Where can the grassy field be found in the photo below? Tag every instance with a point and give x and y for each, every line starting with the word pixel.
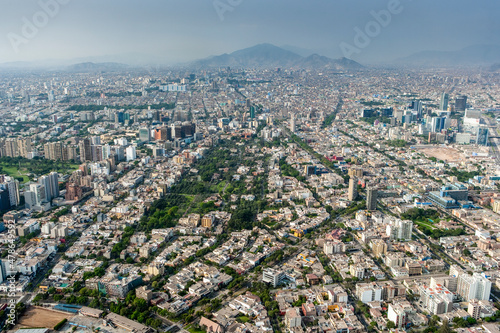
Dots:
pixel 22 171
pixel 15 172
pixel 426 223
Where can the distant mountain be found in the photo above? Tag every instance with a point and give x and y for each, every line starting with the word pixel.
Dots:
pixel 262 55
pixel 270 56
pixel 85 67
pixel 316 61
pixel 298 50
pixel 477 55
pixel 495 67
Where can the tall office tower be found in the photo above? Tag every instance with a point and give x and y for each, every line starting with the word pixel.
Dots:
pixel 119 153
pixel 3 271
pixel 24 146
pixel 35 196
pixel 417 106
pixel 106 152
pixel 353 188
pixel 177 132
pixel 252 112
pixel 12 186
pixel 482 136
pixel 437 124
pixel 131 154
pixel 45 181
pixel 474 287
pixel 188 128
pixel 51 185
pixel 292 123
pixel 144 134
pixel 461 103
pixel 54 184
pixel 163 134
pixel 371 198
pixel 85 150
pixel 443 105
pixel 119 117
pixel 157 116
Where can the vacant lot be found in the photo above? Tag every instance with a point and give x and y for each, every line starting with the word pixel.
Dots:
pixel 37 317
pixel 443 153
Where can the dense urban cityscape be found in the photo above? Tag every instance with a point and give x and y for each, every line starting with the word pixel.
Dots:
pixel 250 200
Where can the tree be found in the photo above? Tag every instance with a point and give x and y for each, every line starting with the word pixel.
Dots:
pixel 390 324
pixel 445 328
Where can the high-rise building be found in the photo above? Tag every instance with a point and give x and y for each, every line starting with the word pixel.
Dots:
pixel 131 154
pixel 163 134
pixel 474 309
pixel 400 229
pixel 95 140
pixel 443 105
pixel 273 276
pixel 356 172
pixel 292 124
pixel 353 188
pixel 482 136
pixel 397 314
pixel 371 198
pixel 437 300
pixel 144 134
pixel 54 184
pixel 24 146
pixel 73 192
pixel 51 185
pixel 473 287
pixel 106 152
pixel 252 112
pixel 35 196
pixel 85 150
pixel 96 153
pixel 12 187
pixel 177 131
pixel 119 117
pixel 437 124
pixel 10 147
pixel 379 247
pixel 53 151
pixel 461 103
pixel 3 271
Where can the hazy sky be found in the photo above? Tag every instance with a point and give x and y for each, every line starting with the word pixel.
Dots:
pixel 183 30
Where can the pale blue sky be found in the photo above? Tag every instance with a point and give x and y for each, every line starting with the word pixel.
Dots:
pixel 182 30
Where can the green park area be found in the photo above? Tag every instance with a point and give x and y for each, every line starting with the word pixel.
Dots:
pixel 24 169
pixel 426 220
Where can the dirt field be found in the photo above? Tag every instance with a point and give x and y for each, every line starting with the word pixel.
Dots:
pixel 445 154
pixel 36 317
